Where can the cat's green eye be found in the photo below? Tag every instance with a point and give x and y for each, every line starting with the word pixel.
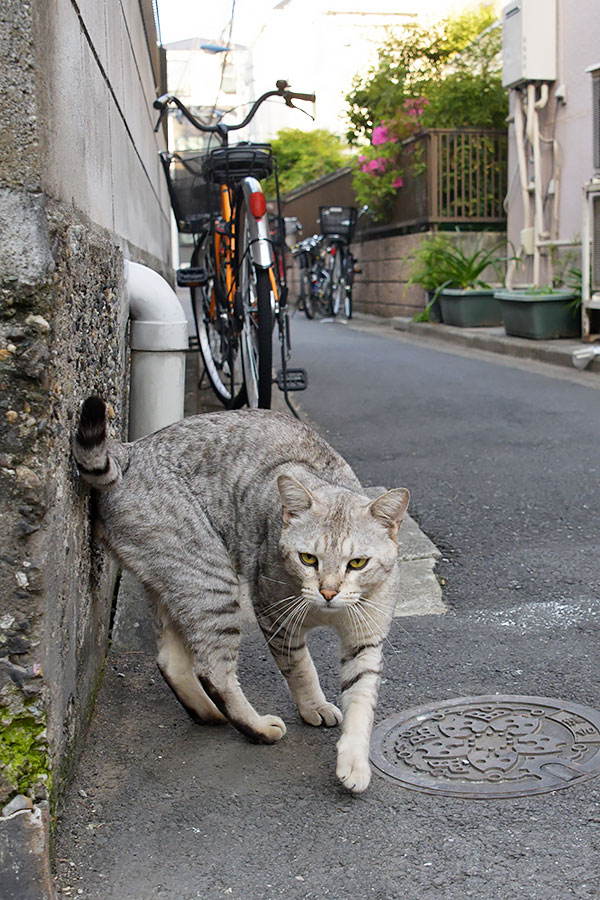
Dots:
pixel 359 563
pixel 308 559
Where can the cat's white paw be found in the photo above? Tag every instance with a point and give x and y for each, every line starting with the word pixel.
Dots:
pixel 353 770
pixel 271 729
pixel 327 714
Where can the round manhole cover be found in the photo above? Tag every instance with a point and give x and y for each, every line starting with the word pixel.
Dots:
pixel 489 747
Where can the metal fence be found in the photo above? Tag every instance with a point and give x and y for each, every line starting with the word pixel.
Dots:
pixel 453 176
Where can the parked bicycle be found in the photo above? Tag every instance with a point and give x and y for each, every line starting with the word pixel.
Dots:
pixel 326 264
pixel 337 226
pixel 307 256
pixel 236 276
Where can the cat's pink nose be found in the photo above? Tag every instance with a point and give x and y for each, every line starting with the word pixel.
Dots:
pixel 329 595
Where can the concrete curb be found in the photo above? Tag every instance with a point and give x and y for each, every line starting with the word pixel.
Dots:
pixel 493 340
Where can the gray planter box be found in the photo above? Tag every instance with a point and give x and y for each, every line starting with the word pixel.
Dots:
pixel 539 316
pixel 470 308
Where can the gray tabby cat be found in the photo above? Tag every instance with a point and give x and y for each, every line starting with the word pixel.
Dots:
pixel 254 500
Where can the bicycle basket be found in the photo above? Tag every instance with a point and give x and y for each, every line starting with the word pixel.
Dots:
pixel 193 198
pixel 338 220
pixel 228 165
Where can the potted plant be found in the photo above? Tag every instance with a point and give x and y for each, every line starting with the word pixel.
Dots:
pixel 453 276
pixel 543 313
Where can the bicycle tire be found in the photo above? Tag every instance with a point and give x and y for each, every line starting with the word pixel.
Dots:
pixel 349 279
pixel 254 286
pixel 307 294
pixel 218 345
pixel 338 282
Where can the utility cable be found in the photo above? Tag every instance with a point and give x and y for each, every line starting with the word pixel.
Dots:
pixel 226 54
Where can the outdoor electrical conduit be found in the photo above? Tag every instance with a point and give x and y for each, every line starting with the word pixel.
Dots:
pixel 158 340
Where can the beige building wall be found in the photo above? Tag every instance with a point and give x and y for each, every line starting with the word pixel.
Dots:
pixel 566 165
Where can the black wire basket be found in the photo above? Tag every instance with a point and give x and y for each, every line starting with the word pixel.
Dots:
pixel 228 165
pixel 195 200
pixel 338 221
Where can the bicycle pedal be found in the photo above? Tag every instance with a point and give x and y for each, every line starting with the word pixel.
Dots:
pixel 292 380
pixel 192 277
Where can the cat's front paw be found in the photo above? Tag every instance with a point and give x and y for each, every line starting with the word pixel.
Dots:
pixel 353 770
pixel 270 729
pixel 327 714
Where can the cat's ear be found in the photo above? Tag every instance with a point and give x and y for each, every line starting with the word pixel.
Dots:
pixel 295 498
pixel 389 509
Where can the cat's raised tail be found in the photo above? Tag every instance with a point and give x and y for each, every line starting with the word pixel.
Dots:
pixel 96 461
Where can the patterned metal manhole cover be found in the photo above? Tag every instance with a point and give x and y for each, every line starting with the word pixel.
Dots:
pixel 489 747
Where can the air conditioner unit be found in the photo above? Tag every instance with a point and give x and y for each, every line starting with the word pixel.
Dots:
pixel 528 42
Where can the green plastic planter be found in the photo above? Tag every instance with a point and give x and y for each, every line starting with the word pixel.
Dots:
pixel 539 316
pixel 469 308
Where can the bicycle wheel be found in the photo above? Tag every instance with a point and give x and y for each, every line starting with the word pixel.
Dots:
pixel 307 293
pixel 219 346
pixel 349 280
pixel 338 282
pixel 254 286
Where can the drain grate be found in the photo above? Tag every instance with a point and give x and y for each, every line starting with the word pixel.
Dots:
pixel 489 747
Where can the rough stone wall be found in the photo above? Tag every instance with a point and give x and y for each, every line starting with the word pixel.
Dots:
pixel 63 324
pixel 55 582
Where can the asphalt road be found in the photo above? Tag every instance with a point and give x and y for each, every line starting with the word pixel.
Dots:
pixel 501 460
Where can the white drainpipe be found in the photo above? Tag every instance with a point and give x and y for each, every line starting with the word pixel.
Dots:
pixel 159 339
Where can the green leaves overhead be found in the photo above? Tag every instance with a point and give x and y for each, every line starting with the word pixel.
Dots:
pixel 455 64
pixel 303 156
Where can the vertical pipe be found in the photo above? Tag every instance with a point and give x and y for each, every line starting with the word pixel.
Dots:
pixel 159 340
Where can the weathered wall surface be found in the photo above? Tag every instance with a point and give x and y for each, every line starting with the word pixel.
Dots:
pixel 80 190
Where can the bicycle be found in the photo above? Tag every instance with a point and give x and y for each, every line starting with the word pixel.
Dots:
pixel 337 227
pixel 306 254
pixel 236 277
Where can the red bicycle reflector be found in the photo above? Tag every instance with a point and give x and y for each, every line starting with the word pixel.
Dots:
pixel 258 204
pixel 333 250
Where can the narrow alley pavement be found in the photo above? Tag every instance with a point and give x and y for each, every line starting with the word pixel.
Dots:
pixel 501 458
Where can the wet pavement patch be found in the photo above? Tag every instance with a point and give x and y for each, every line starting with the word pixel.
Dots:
pixel 489 747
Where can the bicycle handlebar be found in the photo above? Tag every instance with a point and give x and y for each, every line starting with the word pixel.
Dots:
pixel 281 90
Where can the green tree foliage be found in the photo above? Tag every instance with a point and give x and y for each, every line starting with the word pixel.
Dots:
pixel 303 156
pixel 445 76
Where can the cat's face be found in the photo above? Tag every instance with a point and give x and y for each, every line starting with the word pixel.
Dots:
pixel 339 546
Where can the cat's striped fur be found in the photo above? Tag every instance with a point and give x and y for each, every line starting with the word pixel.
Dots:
pixel 252 499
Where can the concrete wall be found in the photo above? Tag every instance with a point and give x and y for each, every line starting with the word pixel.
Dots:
pixel 80 190
pixel 387 265
pixel 570 123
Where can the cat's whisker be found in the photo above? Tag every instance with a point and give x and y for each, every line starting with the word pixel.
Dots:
pixel 365 601
pixel 264 610
pixel 287 615
pixel 365 626
pixel 276 580
pixel 277 614
pixel 375 627
pixel 296 627
pixel 355 623
pixel 287 612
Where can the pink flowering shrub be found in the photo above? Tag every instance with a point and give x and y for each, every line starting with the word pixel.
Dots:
pixel 380 169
